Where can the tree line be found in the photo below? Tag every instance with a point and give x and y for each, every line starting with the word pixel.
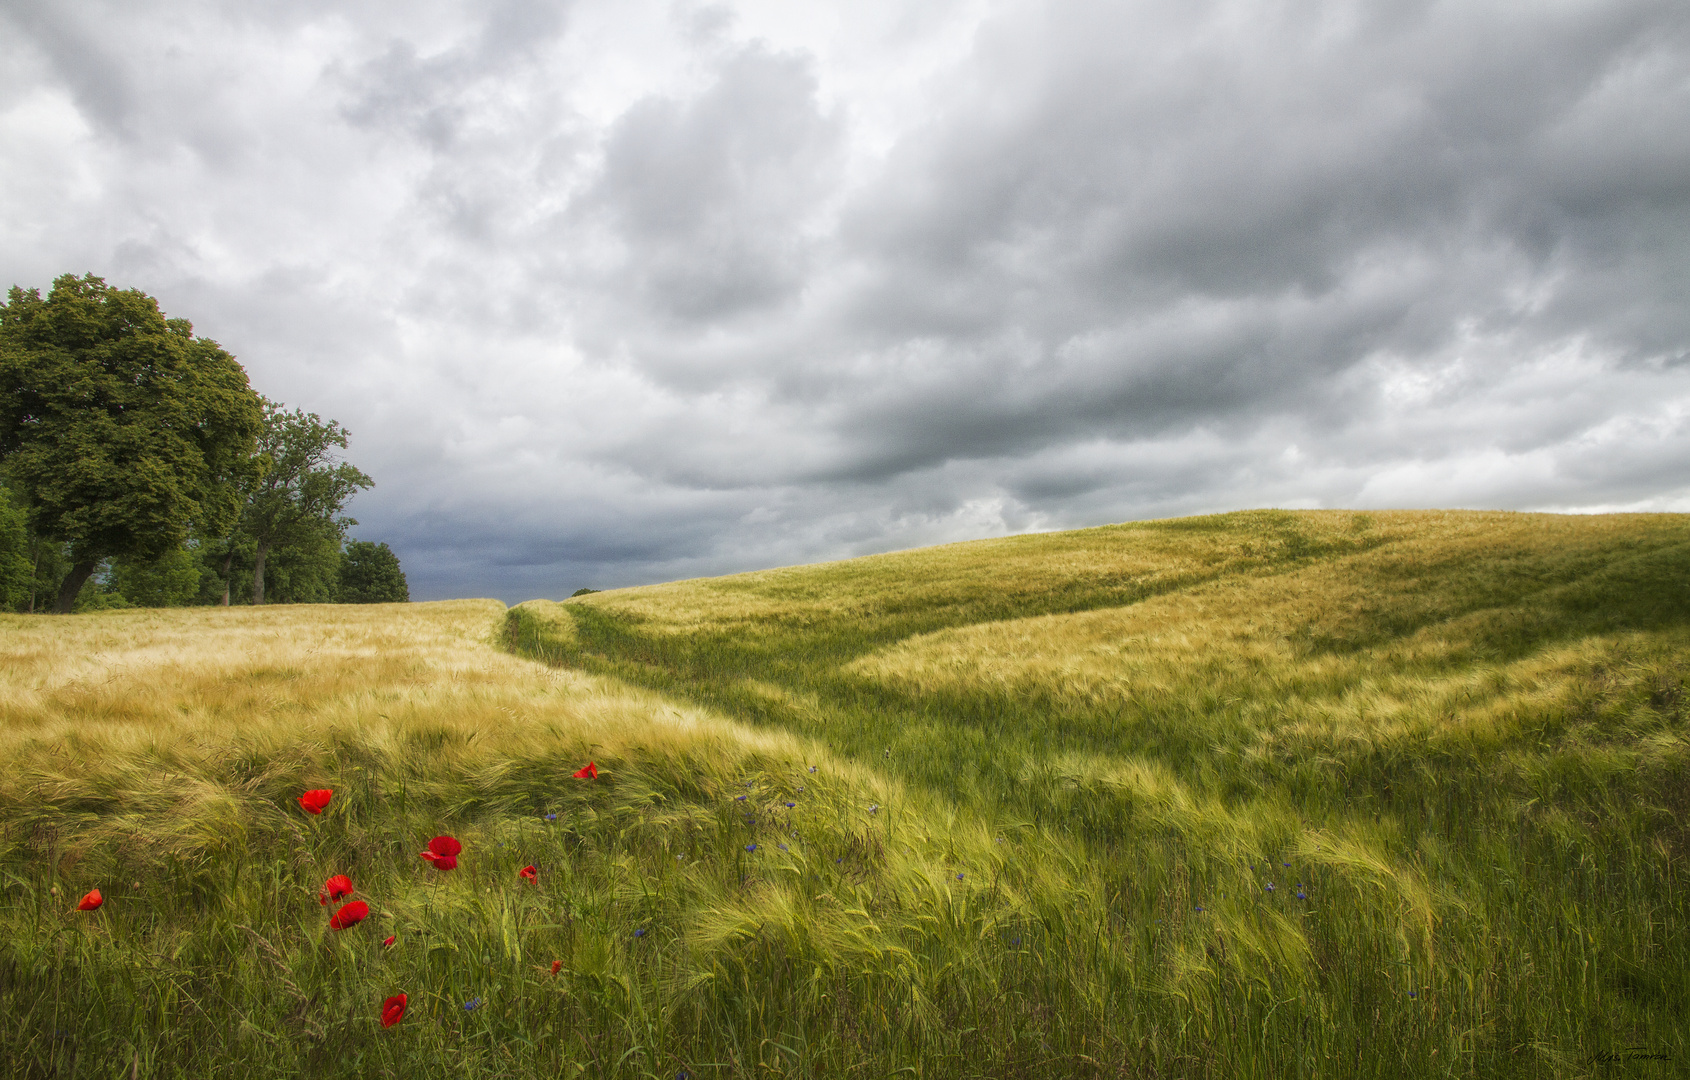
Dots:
pixel 138 467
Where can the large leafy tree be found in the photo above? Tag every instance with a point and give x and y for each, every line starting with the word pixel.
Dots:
pixel 123 431
pixel 303 490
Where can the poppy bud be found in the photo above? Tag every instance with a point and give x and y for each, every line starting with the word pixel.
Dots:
pixel 388 942
pixel 556 965
pixel 393 1010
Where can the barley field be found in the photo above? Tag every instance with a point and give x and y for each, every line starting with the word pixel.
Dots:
pixel 1266 794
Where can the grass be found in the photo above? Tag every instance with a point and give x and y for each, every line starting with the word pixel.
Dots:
pixel 1054 777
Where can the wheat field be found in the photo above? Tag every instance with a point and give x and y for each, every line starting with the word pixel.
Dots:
pixel 1266 794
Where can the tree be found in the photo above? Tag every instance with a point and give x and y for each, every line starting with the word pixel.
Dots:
pixel 122 430
pixel 370 574
pixel 15 569
pixel 303 489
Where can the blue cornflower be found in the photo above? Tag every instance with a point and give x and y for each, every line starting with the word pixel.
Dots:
pixel 1411 993
pixel 836 862
pixel 748 783
pixel 1016 943
pixel 472 1004
pixel 739 798
pixel 790 805
pixel 751 847
pixel 783 847
pixel 812 768
pixel 1199 907
pixel 1286 865
pixel 640 932
pixel 1302 896
pixel 1270 886
pixel 551 817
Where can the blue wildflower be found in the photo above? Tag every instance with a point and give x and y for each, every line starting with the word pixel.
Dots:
pixel 959 877
pixel 875 809
pixel 812 768
pixel 751 847
pixel 1016 943
pixel 1286 865
pixel 739 798
pixel 551 817
pixel 790 805
pixel 1411 993
pixel 472 1004
pixel 1302 896
pixel 836 862
pixel 640 932
pixel 783 847
pixel 1270 886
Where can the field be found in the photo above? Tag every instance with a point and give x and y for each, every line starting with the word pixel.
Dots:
pixel 1258 795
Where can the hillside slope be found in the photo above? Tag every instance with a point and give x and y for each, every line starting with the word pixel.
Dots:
pixel 1460 736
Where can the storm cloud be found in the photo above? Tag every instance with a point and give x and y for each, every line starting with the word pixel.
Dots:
pixel 615 293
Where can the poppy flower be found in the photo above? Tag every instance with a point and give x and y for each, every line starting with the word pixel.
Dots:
pixel 529 873
pixel 443 852
pixel 91 901
pixel 355 912
pixel 556 966
pixel 393 1010
pixel 387 943
pixel 589 771
pixel 336 887
pixel 314 802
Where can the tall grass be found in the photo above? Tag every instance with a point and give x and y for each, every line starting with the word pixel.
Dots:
pixel 1053 779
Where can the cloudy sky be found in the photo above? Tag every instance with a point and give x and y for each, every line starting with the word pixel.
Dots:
pixel 619 291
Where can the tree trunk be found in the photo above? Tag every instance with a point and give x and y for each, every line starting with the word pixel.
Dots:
pixel 258 572
pixel 78 577
pixel 228 562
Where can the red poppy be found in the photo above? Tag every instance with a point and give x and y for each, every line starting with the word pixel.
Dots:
pixel 589 771
pixel 443 852
pixel 91 901
pixel 556 964
pixel 355 912
pixel 529 873
pixel 388 942
pixel 315 801
pixel 336 887
pixel 393 1010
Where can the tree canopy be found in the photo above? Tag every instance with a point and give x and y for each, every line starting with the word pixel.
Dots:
pixel 370 574
pixel 299 498
pixel 123 431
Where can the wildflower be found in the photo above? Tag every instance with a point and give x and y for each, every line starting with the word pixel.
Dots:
pixel 387 942
pixel 557 965
pixel 443 852
pixel 1302 896
pixel 640 932
pixel 314 802
pixel 1286 865
pixel 529 873
pixel 812 768
pixel 1411 993
pixel 1199 907
pixel 790 805
pixel 751 847
pixel 472 1004
pixel 589 771
pixel 91 901
pixel 333 889
pixel 1016 943
pixel 783 847
pixel 393 1010
pixel 740 798
pixel 875 809
pixel 959 877
pixel 1270 886
pixel 800 789
pixel 551 817
pixel 839 860
pixel 355 912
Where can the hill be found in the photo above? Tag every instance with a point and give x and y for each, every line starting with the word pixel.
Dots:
pixel 1260 794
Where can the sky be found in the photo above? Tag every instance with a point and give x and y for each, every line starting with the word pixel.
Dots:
pixel 611 292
